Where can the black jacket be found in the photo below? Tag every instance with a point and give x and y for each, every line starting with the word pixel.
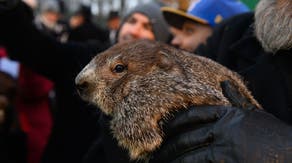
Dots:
pixel 268 76
pixel 89 32
pixel 75 127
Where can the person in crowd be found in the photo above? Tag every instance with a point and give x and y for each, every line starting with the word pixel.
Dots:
pixel 145 17
pixel 75 126
pixel 32 105
pixel 113 23
pixel 83 28
pixel 48 20
pixel 191 27
pixel 35 100
pixel 257 46
pixel 12 138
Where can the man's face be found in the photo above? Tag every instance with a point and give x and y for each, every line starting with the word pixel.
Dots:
pixel 137 26
pixel 51 17
pixel 114 23
pixel 190 36
pixel 76 21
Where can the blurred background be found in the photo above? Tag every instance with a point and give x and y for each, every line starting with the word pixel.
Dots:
pixel 101 8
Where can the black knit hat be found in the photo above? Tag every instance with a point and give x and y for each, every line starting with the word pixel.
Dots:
pixel 84 11
pixel 113 15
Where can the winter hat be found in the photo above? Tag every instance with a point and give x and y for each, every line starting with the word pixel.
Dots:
pixel 153 12
pixel 84 11
pixel 209 12
pixel 50 5
pixel 113 15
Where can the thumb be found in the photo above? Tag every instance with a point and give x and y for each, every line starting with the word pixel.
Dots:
pixel 236 98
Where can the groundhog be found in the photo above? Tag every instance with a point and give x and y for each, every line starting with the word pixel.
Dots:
pixel 140 83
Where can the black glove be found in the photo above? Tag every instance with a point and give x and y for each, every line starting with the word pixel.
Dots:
pixel 225 134
pixel 6 5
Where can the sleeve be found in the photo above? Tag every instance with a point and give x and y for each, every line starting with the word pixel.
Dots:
pixel 39 51
pixel 224 36
pixel 224 134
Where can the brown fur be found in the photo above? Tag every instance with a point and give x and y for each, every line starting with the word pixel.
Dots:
pixel 158 80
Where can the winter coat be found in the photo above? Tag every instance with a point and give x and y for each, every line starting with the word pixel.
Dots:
pixel 34 108
pixel 12 138
pixel 268 76
pixel 89 32
pixel 74 127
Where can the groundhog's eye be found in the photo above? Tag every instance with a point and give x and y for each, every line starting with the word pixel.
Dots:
pixel 119 68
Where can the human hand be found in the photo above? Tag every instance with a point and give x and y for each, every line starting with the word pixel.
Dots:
pixel 225 134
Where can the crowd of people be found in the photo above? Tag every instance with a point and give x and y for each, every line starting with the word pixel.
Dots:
pixel 50 123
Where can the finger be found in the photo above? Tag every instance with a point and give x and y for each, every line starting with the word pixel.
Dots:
pixel 199 156
pixel 235 97
pixel 230 92
pixel 193 116
pixel 184 143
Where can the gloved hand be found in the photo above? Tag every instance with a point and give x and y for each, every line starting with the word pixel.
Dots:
pixel 225 134
pixel 6 5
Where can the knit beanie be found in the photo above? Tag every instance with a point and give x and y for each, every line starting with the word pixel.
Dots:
pixel 85 12
pixel 153 12
pixel 50 5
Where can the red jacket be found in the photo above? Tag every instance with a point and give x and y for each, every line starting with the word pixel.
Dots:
pixel 33 106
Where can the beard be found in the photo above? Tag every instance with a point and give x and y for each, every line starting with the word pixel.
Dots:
pixel 273 24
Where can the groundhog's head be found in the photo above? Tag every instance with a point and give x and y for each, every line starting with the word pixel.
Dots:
pixel 139 83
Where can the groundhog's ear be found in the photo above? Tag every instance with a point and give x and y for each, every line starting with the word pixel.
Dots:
pixel 165 60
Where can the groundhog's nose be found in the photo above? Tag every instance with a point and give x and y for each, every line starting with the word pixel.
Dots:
pixel 81 84
pixel 84 79
pixel 82 87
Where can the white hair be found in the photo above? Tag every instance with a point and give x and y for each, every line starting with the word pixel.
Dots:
pixel 273 24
